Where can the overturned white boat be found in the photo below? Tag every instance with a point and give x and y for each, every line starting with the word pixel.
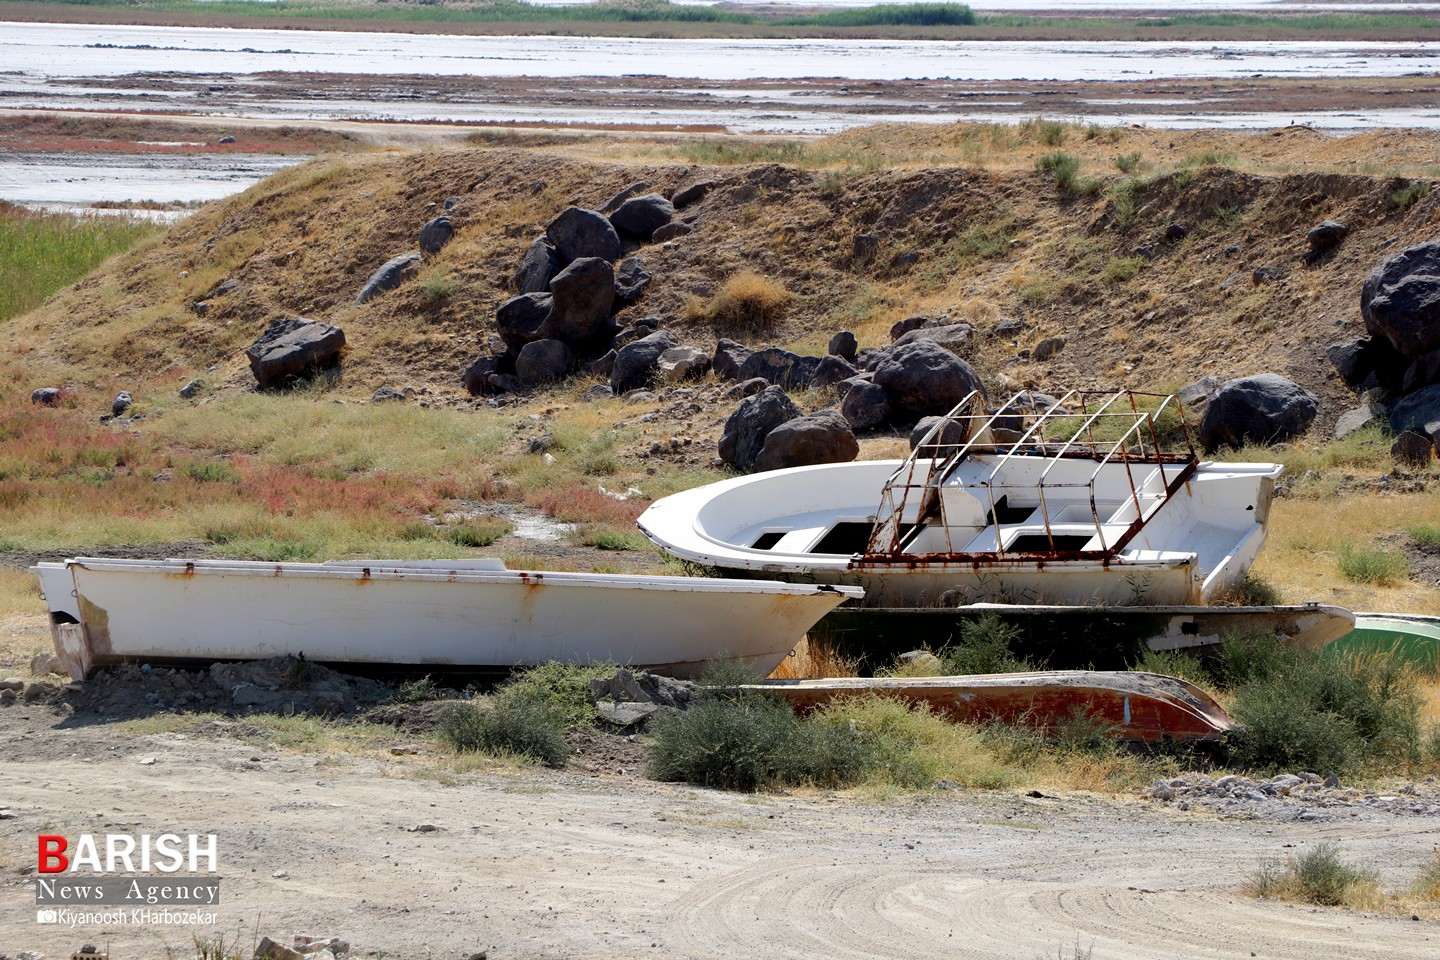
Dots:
pixel 446 614
pixel 1094 497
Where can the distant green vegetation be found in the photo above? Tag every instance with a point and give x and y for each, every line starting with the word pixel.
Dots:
pixel 516 11
pixel 40 253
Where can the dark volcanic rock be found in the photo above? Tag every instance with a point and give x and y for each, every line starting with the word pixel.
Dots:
pixel 1412 449
pixel 578 233
pixel 582 297
pixel 954 337
pixel 541 361
pixel 902 327
pixel 832 370
pixel 751 423
pixel 390 275
pixel 729 357
pixel 1356 360
pixel 537 268
pixel 642 216
pixel 435 234
pixel 1048 348
pixel 673 230
pixel 292 347
pixel 1422 373
pixel 924 378
pixel 823 437
pixel 1259 409
pixel 1420 411
pixel 519 319
pixel 951 435
pixel 635 189
pixel 1400 300
pixel 635 363
pixel 866 405
pixel 694 193
pixel 745 388
pixel 844 344
pixel 630 282
pixel 780 367
pixel 1326 235
pixel 45 396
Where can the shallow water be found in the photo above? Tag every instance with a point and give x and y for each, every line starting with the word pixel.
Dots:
pixel 58 180
pixel 52 51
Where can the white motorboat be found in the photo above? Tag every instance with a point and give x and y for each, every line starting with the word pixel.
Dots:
pixel 1089 498
pixel 446 614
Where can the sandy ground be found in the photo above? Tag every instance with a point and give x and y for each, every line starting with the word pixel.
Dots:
pixel 563 864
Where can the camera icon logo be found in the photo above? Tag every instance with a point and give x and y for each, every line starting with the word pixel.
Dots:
pixel 47 916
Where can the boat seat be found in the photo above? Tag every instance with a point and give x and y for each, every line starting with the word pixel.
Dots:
pixel 799 540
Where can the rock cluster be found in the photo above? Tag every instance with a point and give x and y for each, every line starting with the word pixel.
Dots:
pixel 569 288
pixel 1291 796
pixel 1396 369
pixel 305 947
pixel 627 700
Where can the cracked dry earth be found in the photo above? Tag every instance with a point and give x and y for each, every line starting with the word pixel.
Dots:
pixel 595 862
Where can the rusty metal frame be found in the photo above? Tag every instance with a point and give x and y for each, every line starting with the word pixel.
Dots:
pixel 920 478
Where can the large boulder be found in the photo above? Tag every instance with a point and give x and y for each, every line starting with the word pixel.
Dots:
pixel 519 319
pixel 866 405
pixel 924 378
pixel 390 275
pixel 292 347
pixel 633 190
pixel 1326 235
pixel 954 337
pixel 1371 360
pixel 1420 411
pixel 45 396
pixel 635 363
pixel 823 437
pixel 577 232
pixel 729 358
pixel 844 345
pixel 476 377
pixel 1358 419
pixel 694 193
pixel 541 361
pixel 832 369
pixel 780 367
pixel 1422 373
pixel 1400 300
pixel 952 434
pixel 435 234
pixel 1260 409
pixel 752 421
pixel 582 297
pixel 678 363
pixel 642 216
pixel 537 268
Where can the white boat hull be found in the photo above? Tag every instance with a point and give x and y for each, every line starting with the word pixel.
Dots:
pixel 445 615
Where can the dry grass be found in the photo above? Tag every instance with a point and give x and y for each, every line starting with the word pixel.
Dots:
pixel 746 303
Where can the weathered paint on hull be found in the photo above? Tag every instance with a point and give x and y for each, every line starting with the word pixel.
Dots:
pixel 1103 638
pixel 1141 707
pixel 411 614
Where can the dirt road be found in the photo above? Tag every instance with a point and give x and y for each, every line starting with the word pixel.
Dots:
pixel 566 864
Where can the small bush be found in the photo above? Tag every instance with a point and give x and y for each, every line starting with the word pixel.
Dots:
pixel 480 533
pixel 417 691
pixel 212 471
pixel 1129 162
pixel 602 538
pixel 1371 565
pixel 566 687
pixel 438 287
pixel 984 646
pixel 1122 269
pixel 1424 534
pixel 1085 732
pixel 1427 885
pixel 516 724
pixel 1251 591
pixel 1409 195
pixel 1049 132
pixel 746 302
pixel 1318 876
pixel 754 742
pixel 1061 167
pixel 1207 158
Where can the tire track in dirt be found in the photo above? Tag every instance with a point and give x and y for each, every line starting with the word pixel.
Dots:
pixel 819 908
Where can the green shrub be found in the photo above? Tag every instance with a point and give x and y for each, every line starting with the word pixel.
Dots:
pixel 439 286
pixel 1122 269
pixel 480 533
pixel 1305 709
pixel 417 691
pixel 1317 876
pixel 1424 534
pixel 1061 167
pixel 1409 195
pixel 1129 162
pixel 984 646
pixel 212 471
pixel 1372 565
pixel 1049 132
pixel 515 724
pixel 565 687
pixel 755 742
pixel 1085 732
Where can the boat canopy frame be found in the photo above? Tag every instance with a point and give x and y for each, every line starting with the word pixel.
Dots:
pixel 1114 428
